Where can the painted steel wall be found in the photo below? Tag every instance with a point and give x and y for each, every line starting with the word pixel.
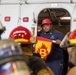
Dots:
pixel 16 17
pixel 31 11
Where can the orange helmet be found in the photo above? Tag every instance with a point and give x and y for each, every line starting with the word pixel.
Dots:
pixel 72 37
pixel 21 34
pixel 46 21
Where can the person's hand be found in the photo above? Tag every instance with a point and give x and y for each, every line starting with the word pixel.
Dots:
pixel 58 41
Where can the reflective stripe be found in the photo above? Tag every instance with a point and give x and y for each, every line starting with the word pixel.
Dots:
pixel 21 40
pixel 72 41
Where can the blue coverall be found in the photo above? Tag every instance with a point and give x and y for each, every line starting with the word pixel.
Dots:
pixel 55 59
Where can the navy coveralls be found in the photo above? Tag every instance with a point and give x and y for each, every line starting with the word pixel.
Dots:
pixel 55 59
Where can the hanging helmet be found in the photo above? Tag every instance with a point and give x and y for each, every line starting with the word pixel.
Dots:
pixel 72 37
pixel 46 21
pixel 21 35
pixel 12 60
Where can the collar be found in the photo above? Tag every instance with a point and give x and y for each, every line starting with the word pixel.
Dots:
pixel 51 32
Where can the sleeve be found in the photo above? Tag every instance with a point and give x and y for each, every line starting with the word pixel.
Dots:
pixel 60 35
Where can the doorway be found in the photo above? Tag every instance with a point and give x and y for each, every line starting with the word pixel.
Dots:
pixel 59 17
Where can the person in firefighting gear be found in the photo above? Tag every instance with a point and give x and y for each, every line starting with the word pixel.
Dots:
pixel 2 29
pixel 55 59
pixel 69 42
pixel 23 36
pixel 12 59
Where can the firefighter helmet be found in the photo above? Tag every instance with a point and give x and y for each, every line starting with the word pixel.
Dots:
pixel 72 37
pixel 21 35
pixel 11 59
pixel 46 21
pixel 69 42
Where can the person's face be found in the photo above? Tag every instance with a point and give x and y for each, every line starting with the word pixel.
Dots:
pixel 47 28
pixel 39 28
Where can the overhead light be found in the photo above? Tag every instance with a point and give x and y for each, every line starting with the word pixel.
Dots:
pixel 65 18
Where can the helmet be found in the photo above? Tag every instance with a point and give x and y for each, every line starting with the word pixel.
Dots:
pixel 72 47
pixel 21 34
pixel 72 37
pixel 12 60
pixel 69 42
pixel 46 21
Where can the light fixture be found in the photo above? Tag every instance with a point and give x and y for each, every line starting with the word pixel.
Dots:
pixel 65 18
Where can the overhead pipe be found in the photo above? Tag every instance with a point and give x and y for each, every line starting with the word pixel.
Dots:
pixel 34 2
